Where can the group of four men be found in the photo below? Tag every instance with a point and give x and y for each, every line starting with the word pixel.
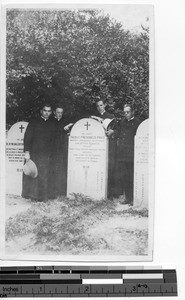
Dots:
pixel 45 143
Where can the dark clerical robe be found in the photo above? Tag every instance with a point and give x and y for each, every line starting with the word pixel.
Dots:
pixel 58 160
pixel 38 140
pixel 125 158
pixel 111 157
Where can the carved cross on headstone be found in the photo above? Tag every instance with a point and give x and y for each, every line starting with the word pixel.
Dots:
pixel 21 128
pixel 87 125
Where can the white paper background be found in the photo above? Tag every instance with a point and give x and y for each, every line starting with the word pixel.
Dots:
pixel 169 225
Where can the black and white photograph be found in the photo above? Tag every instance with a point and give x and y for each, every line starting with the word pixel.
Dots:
pixel 78 96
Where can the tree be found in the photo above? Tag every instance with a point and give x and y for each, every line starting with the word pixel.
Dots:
pixel 73 57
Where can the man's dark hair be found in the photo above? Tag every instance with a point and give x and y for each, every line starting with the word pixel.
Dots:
pixel 99 99
pixel 58 105
pixel 45 104
pixel 128 105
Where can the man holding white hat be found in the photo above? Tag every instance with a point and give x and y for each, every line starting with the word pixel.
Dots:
pixel 38 147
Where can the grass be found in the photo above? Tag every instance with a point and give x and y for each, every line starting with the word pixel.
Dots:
pixel 63 223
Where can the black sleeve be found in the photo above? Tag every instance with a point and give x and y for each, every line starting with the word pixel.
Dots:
pixel 110 116
pixel 137 123
pixel 117 128
pixel 28 136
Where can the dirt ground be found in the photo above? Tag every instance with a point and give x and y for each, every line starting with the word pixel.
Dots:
pixel 15 205
pixel 120 230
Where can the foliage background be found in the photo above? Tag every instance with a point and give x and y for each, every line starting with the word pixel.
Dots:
pixel 74 57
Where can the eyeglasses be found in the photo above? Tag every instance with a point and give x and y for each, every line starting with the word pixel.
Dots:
pixel 127 112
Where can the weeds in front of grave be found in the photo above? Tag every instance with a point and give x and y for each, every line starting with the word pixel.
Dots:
pixel 59 224
pixel 62 224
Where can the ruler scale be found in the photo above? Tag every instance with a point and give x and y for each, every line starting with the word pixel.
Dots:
pixel 82 281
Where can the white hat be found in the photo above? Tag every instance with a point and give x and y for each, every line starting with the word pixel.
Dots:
pixel 30 169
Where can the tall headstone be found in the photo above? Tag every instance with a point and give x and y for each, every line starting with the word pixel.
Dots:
pixel 15 158
pixel 88 160
pixel 141 165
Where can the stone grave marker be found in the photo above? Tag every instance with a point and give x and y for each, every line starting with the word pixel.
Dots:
pixel 88 160
pixel 15 158
pixel 141 165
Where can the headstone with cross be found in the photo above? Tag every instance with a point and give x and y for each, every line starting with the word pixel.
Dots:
pixel 141 165
pixel 15 158
pixel 88 160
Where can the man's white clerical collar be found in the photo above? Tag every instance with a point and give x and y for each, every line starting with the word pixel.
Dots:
pixel 131 119
pixel 44 118
pixel 102 113
pixel 57 118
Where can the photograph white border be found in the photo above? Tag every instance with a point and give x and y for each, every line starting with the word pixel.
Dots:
pixel 2 149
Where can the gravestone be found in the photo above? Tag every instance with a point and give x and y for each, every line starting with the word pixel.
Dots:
pixel 141 165
pixel 15 158
pixel 88 160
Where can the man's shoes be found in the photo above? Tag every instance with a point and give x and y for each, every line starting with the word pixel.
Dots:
pixel 124 202
pixel 130 203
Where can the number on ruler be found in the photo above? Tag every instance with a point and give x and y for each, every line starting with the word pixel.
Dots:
pixel 134 289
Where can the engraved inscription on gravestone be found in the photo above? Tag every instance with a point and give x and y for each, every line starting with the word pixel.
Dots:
pixel 88 159
pixel 15 158
pixel 141 165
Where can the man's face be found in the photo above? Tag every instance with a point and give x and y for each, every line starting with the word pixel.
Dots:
pixel 100 106
pixel 46 112
pixel 58 113
pixel 128 113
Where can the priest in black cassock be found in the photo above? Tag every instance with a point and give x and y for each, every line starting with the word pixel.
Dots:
pixel 103 114
pixel 125 154
pixel 58 159
pixel 38 146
